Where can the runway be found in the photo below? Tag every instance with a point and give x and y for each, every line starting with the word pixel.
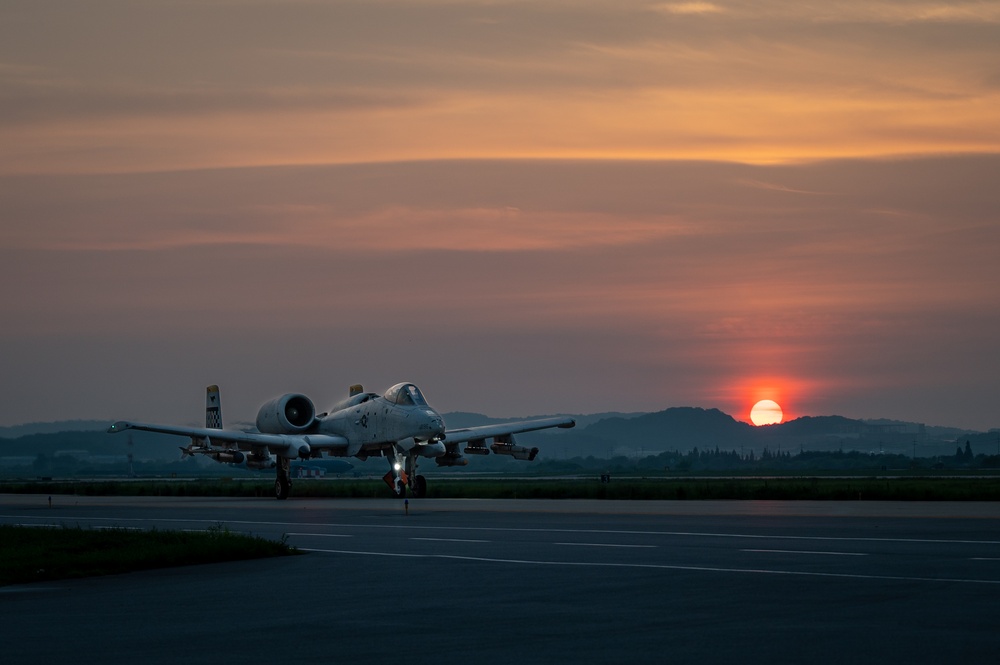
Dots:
pixel 531 581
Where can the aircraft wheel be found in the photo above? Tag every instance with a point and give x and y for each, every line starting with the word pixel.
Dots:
pixel 282 488
pixel 419 489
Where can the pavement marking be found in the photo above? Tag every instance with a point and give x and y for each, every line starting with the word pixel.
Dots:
pixel 809 552
pixel 453 540
pixel 321 535
pixel 604 545
pixel 338 525
pixel 656 566
pixel 984 558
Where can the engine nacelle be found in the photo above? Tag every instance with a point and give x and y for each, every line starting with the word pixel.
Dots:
pixel 288 414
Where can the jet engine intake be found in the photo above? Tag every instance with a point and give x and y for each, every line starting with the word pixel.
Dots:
pixel 288 414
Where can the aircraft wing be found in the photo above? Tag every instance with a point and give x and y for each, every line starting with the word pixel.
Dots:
pixel 464 434
pixel 285 445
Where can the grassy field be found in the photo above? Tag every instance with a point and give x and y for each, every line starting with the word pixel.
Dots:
pixel 32 554
pixel 791 488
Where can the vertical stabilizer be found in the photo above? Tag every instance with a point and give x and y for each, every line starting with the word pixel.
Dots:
pixel 213 408
pixel 357 389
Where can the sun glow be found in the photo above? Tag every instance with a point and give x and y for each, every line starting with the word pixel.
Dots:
pixel 766 412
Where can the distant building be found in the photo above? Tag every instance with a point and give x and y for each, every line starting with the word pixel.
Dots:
pixel 310 472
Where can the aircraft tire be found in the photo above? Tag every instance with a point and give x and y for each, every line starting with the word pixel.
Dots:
pixel 282 488
pixel 419 489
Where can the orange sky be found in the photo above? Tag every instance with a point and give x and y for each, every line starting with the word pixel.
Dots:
pixel 524 207
pixel 112 87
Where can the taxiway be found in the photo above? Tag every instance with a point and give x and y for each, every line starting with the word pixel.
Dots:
pixel 531 581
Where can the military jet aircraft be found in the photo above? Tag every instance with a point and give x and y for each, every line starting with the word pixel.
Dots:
pixel 398 425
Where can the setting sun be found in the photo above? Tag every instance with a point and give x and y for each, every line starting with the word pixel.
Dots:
pixel 766 412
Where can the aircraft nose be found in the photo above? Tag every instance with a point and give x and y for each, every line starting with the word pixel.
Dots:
pixel 437 424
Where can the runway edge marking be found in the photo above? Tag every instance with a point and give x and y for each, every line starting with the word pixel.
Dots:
pixel 655 566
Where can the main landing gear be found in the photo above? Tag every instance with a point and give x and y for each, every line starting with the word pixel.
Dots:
pixel 283 482
pixel 419 487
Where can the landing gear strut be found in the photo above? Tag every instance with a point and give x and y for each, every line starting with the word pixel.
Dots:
pixel 403 474
pixel 283 483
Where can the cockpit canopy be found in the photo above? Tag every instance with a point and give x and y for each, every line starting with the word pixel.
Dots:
pixel 405 394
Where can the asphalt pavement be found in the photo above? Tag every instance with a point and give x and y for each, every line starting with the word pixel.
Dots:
pixel 483 581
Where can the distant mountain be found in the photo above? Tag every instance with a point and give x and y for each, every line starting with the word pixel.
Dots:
pixel 458 419
pixel 935 431
pixel 145 445
pixel 684 428
pixel 815 426
pixel 54 427
pixel 679 428
pixel 603 435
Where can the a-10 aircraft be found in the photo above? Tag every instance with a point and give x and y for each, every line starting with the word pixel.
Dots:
pixel 398 425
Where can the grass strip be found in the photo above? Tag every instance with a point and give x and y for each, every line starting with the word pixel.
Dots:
pixel 34 554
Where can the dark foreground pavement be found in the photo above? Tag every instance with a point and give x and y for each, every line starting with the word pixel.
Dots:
pixel 530 582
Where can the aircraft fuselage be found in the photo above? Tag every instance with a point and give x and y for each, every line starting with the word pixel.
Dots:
pixel 378 421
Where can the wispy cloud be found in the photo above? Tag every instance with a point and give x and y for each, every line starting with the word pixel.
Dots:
pixel 850 11
pixel 775 187
pixel 388 230
pixel 690 8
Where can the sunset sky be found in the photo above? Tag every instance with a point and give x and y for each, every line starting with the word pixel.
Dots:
pixel 524 207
